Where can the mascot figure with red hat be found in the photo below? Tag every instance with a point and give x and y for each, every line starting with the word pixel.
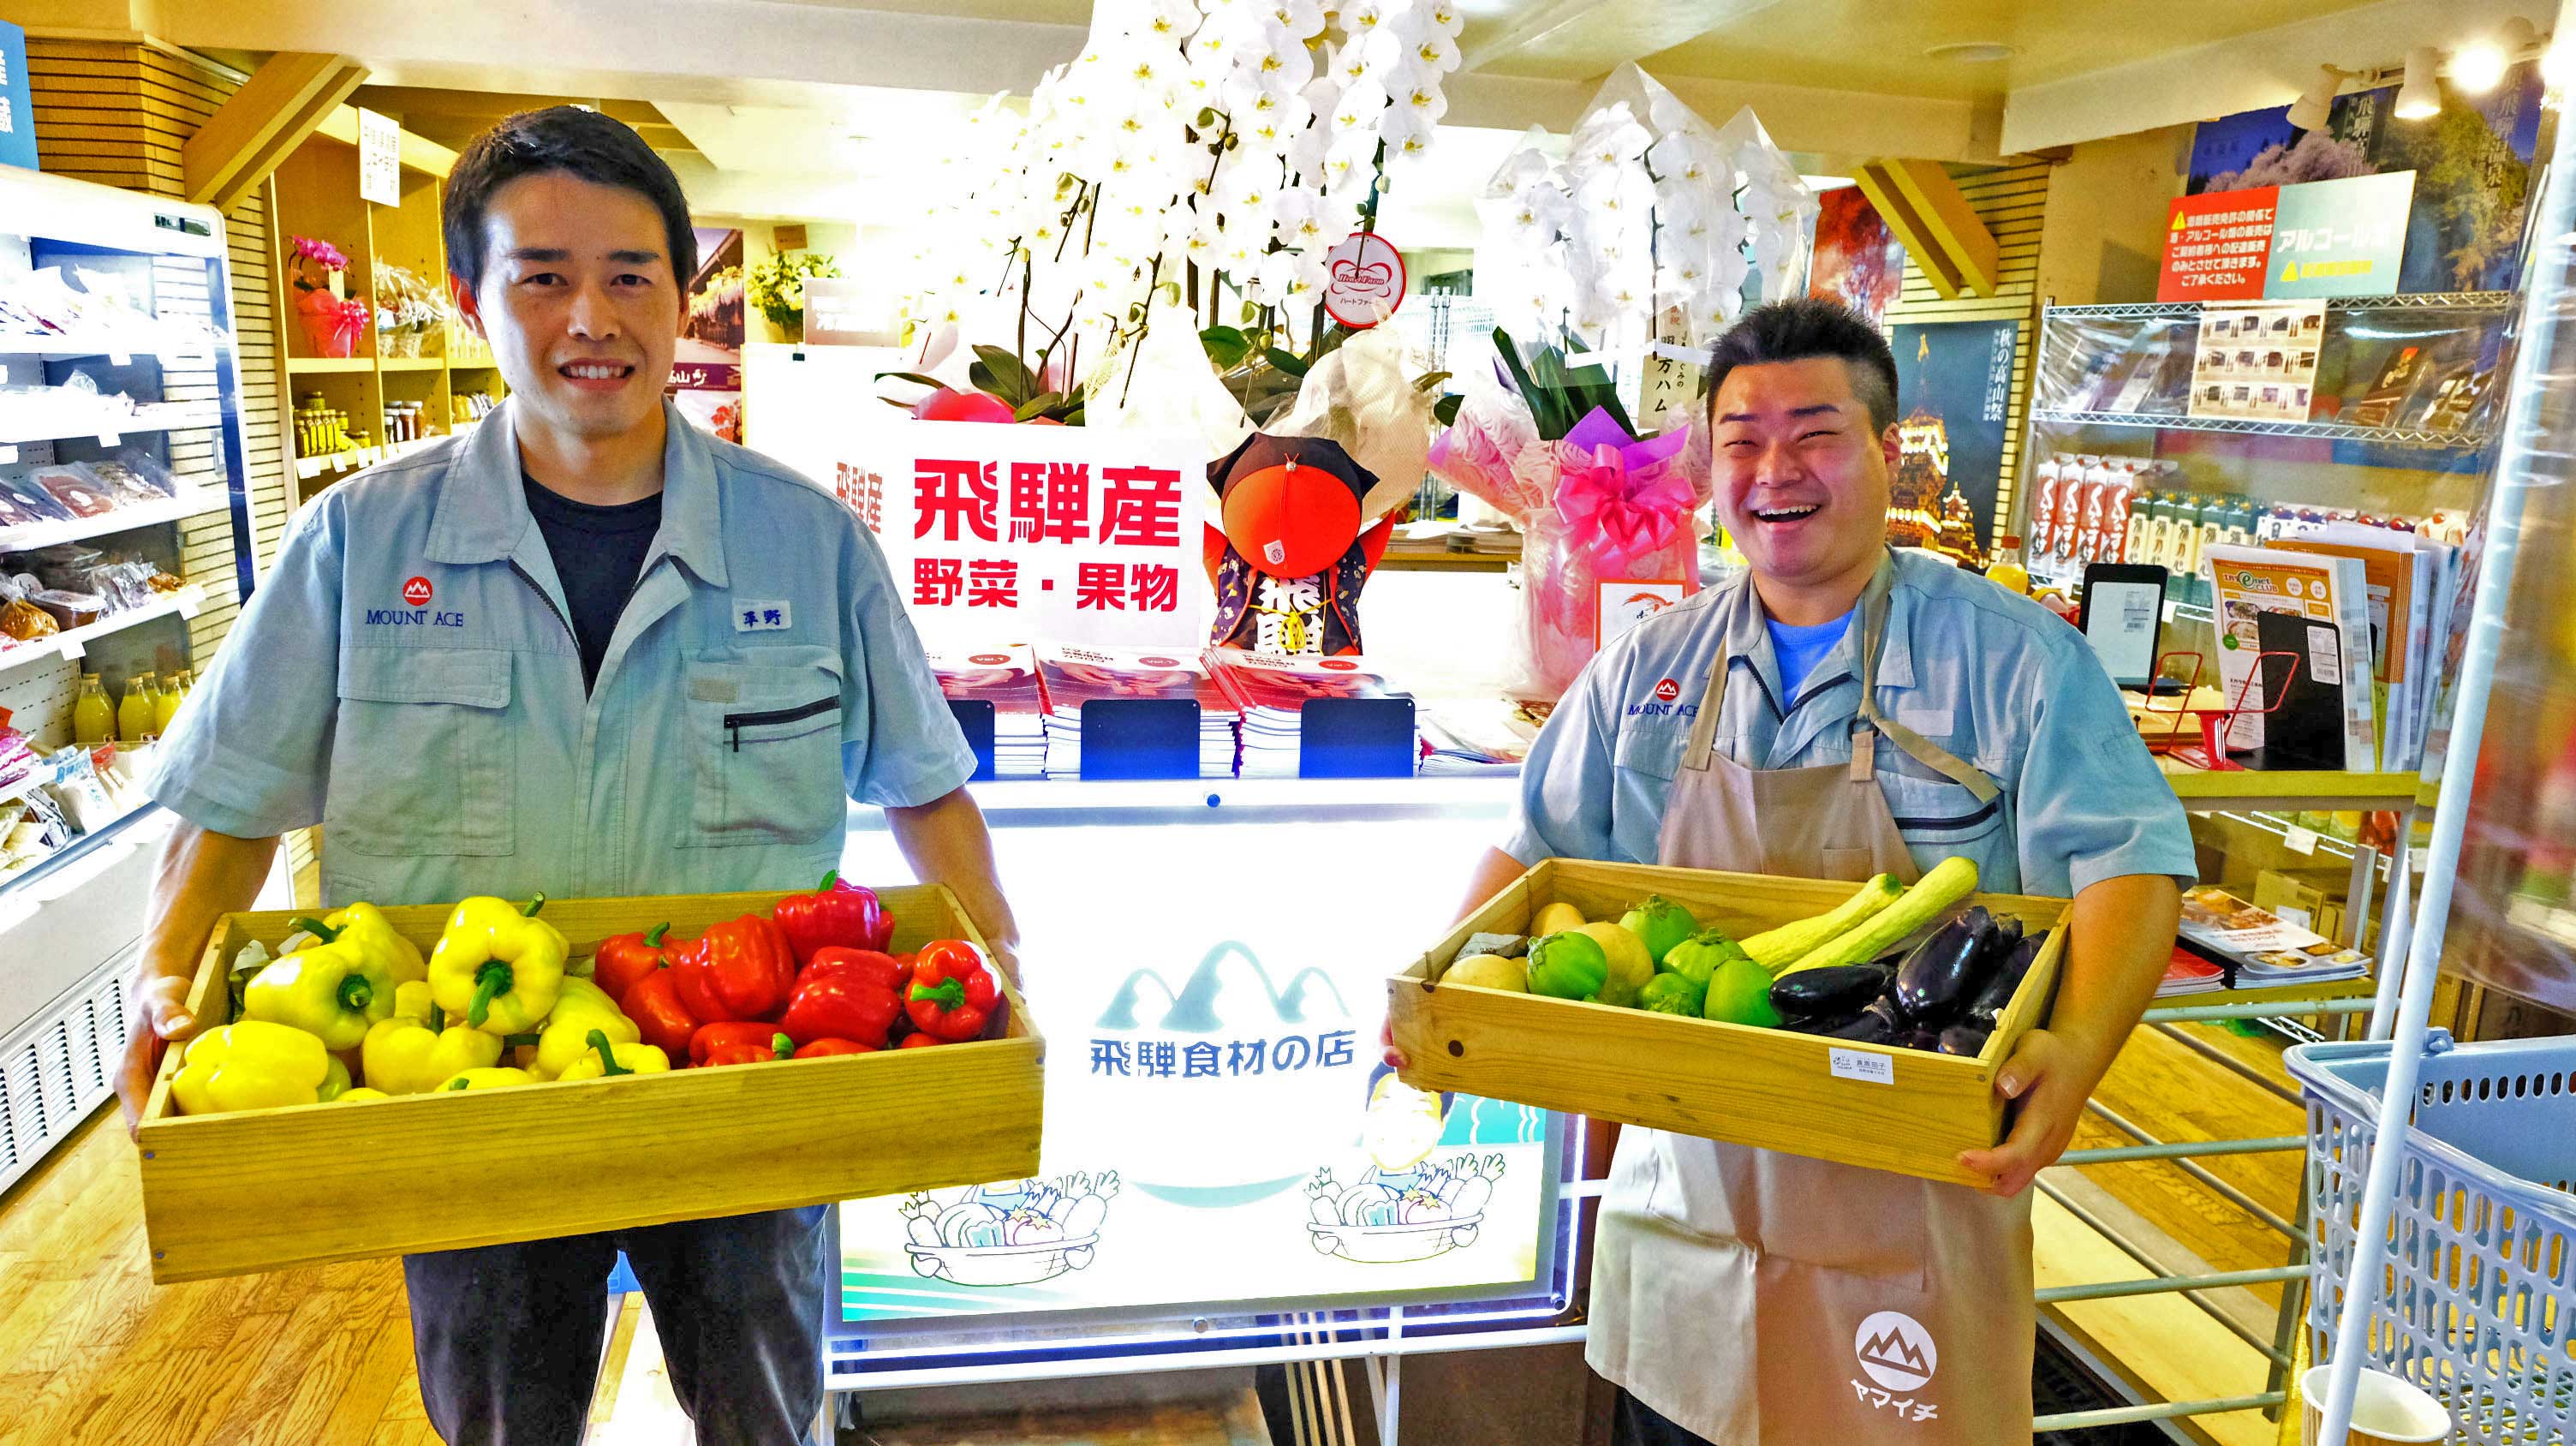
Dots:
pixel 1291 556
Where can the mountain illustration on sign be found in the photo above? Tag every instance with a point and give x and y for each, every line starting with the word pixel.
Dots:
pixel 1203 1157
pixel 1193 1008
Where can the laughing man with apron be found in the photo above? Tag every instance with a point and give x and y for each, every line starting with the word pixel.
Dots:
pixel 1838 711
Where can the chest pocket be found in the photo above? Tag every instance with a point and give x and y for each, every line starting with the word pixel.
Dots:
pixel 424 758
pixel 766 739
pixel 1930 809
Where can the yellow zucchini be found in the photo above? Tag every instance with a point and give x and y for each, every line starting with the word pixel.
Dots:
pixel 1950 881
pixel 1775 947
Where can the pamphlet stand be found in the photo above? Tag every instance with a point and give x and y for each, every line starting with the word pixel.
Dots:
pixel 1356 738
pixel 1140 738
pixel 975 720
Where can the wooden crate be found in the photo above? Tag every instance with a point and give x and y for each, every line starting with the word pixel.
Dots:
pixel 268 1189
pixel 1764 1087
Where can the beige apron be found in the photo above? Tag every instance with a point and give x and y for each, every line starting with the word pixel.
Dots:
pixel 1762 1299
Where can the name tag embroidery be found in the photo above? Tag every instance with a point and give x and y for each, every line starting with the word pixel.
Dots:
pixel 753 616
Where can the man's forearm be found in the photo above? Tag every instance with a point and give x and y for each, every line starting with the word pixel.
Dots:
pixel 2121 937
pixel 946 843
pixel 1494 873
pixel 201 877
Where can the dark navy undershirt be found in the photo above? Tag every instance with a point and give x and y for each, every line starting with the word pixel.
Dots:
pixel 599 552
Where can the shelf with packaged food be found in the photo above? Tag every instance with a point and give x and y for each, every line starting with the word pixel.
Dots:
pixel 191 502
pixel 2251 427
pixel 112 430
pixel 70 643
pixel 117 348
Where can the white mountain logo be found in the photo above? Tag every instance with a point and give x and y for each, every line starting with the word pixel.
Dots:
pixel 1896 1351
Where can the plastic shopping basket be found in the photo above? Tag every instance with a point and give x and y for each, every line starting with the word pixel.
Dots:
pixel 2478 1302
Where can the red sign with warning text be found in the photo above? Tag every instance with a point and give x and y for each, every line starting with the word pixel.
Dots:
pixel 2218 245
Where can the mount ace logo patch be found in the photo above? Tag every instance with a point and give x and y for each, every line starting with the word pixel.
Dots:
pixel 1667 690
pixel 415 592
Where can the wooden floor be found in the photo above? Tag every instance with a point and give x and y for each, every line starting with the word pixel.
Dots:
pixel 91 1352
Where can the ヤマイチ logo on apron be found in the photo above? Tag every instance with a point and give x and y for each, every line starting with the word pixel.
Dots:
pixel 1896 1350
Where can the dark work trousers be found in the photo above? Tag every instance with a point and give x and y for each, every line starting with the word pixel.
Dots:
pixel 1638 1425
pixel 507 1337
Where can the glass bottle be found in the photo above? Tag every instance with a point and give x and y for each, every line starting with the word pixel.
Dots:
pixel 165 703
pixel 134 713
pixel 93 717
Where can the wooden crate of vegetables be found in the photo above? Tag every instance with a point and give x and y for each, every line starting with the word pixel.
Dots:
pixel 429 1078
pixel 1862 1024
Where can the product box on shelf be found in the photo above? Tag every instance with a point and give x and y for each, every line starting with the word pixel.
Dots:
pixel 1880 1106
pixel 260 1190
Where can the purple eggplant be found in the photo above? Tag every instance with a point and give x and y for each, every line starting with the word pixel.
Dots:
pixel 1937 978
pixel 1830 992
pixel 2007 934
pixel 1964 1039
pixel 1991 1000
pixel 1925 1040
pixel 1874 1024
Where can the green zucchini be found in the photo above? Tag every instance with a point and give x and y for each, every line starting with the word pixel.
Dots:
pixel 1775 947
pixel 1950 881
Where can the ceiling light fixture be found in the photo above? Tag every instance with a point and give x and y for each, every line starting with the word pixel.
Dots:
pixel 2420 98
pixel 2478 67
pixel 1974 52
pixel 2315 105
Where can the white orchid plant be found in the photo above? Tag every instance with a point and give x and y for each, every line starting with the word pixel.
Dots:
pixel 1194 146
pixel 1646 228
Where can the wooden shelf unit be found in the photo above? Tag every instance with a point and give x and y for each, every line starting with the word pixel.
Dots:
pixel 316 195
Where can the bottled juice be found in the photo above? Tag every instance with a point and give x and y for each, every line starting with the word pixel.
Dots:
pixel 165 703
pixel 93 718
pixel 134 713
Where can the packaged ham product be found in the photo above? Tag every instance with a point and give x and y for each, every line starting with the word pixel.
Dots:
pixel 72 485
pixel 71 609
pixel 24 504
pixel 132 485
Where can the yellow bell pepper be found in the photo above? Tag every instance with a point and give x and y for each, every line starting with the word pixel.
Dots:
pixel 352 1096
pixel 489 1079
pixel 365 928
pixel 333 990
pixel 416 1050
pixel 582 1007
pixel 604 1057
pixel 335 1082
pixel 498 965
pixel 253 1065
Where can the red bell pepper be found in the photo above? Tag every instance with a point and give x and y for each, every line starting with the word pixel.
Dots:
pixel 743 1041
pixel 921 1041
pixel 624 959
pixel 836 913
pixel 821 1047
pixel 853 994
pixel 953 991
pixel 653 1002
pixel 737 970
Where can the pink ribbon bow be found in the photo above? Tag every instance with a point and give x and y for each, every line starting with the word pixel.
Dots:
pixel 1632 514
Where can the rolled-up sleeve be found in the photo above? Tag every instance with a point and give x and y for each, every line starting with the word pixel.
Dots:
pixel 250 755
pixel 906 747
pixel 2091 803
pixel 1564 810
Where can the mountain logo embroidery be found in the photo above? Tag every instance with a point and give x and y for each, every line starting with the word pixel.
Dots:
pixel 1896 1351
pixel 1666 690
pixel 416 591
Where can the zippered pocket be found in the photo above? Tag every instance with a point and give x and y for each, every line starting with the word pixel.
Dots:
pixel 766 744
pixel 734 723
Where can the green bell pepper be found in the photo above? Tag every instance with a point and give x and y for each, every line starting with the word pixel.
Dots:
pixel 1568 966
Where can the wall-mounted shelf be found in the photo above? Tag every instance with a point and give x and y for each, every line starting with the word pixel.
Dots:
pixel 192 503
pixel 2243 427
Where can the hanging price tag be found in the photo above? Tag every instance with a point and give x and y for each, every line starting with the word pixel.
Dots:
pixel 8 455
pixel 120 359
pixel 2300 840
pixel 110 439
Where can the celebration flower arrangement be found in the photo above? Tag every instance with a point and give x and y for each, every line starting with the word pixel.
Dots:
pixel 1198 157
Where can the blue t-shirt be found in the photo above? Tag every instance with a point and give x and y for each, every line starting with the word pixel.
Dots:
pixel 1800 649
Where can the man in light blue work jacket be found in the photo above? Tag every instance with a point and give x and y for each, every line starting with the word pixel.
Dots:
pixel 1838 710
pixel 588 651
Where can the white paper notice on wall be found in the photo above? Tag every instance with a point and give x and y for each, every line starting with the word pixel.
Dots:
pixel 1860 1064
pixel 379 159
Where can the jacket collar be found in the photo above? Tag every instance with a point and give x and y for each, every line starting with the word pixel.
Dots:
pixel 1744 633
pixel 483 515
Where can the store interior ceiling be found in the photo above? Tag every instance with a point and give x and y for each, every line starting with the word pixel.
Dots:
pixel 831 108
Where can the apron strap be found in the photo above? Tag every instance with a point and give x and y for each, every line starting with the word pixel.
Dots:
pixel 1703 734
pixel 1873 604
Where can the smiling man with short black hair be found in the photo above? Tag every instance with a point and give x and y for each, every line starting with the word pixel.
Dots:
pixel 585 651
pixel 1837 710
